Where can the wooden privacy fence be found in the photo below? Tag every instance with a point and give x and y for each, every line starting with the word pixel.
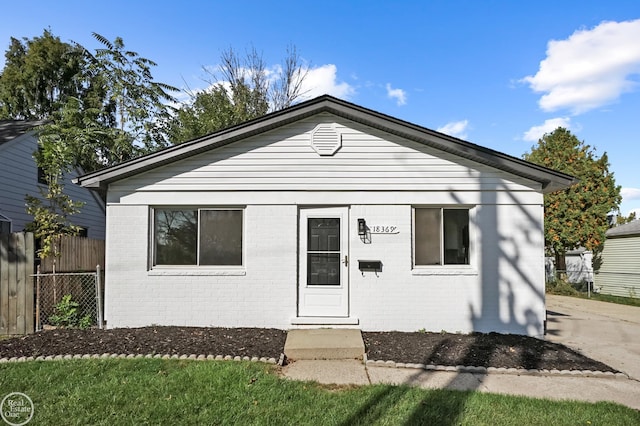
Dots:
pixel 16 283
pixel 77 254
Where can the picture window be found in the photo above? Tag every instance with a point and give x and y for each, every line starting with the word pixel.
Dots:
pixel 197 237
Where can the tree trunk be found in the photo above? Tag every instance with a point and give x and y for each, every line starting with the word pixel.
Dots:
pixel 561 266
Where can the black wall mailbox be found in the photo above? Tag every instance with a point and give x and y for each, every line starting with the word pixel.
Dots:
pixel 370 265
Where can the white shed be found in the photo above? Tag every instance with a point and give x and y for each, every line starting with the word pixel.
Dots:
pixel 619 272
pixel 327 214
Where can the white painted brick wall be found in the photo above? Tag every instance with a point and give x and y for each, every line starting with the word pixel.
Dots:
pixel 505 292
pixel 264 297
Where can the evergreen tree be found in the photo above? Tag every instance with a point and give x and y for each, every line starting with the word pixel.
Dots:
pixel 577 216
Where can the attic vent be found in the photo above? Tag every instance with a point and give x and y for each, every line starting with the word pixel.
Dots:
pixel 325 139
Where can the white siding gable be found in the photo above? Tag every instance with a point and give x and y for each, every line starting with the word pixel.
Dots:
pixel 285 160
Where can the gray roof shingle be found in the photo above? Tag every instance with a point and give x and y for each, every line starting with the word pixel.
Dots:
pixel 631 228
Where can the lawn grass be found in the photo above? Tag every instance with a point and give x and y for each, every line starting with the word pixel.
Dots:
pixel 155 391
pixel 631 301
pixel 563 288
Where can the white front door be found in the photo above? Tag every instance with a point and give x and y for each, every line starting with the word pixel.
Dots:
pixel 323 285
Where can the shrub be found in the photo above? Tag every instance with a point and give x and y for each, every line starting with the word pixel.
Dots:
pixel 561 287
pixel 67 315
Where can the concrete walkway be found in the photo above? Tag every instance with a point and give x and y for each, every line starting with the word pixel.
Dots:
pixel 352 372
pixel 606 332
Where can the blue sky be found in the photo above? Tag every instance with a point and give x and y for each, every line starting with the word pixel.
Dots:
pixel 496 73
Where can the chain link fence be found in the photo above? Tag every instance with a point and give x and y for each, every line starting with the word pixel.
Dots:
pixel 68 300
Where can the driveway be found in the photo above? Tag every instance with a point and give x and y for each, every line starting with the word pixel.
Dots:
pixel 607 332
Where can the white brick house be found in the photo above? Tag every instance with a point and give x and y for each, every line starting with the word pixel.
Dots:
pixel 327 214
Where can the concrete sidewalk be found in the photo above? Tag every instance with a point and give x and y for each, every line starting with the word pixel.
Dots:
pixel 352 372
pixel 607 332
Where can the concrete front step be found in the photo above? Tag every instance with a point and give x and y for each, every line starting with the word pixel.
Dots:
pixel 324 343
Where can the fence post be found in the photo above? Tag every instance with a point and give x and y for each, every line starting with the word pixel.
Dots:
pixel 4 283
pixel 99 296
pixel 38 299
pixel 29 257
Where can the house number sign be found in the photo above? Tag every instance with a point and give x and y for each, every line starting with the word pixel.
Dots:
pixel 383 229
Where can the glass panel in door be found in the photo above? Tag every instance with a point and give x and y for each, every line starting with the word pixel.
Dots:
pixel 323 251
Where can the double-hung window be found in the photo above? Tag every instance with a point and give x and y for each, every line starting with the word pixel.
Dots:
pixel 441 236
pixel 197 236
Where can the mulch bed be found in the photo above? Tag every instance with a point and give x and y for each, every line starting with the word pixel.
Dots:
pixel 482 350
pixel 261 342
pixel 477 349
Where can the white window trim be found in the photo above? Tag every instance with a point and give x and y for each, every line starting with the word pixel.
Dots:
pixel 444 270
pixel 195 270
pixel 180 270
pixel 452 269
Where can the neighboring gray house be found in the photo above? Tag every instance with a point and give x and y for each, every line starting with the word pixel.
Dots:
pixel 19 176
pixel 619 273
pixel 327 214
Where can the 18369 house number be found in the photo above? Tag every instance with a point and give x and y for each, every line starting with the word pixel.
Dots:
pixel 383 229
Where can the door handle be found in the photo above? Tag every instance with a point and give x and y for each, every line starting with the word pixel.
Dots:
pixel 346 260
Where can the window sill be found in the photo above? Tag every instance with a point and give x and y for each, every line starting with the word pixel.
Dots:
pixel 444 270
pixel 196 272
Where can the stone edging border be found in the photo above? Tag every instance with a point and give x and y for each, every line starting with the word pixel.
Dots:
pixel 367 362
pixel 498 370
pixel 192 357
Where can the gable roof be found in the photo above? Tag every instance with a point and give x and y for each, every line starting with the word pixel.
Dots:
pixel 11 129
pixel 628 229
pixel 551 180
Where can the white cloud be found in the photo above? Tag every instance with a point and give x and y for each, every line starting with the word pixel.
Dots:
pixel 323 80
pixel 398 94
pixel 630 193
pixel 630 197
pixel 590 69
pixel 536 132
pixel 457 129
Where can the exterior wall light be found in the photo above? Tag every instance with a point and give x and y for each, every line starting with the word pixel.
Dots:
pixel 362 227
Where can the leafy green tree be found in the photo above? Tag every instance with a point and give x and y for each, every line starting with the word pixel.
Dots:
pixel 135 100
pixel 38 76
pixel 106 98
pixel 109 117
pixel 51 211
pixel 576 216
pixel 207 112
pixel 117 118
pixel 621 220
pixel 241 89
